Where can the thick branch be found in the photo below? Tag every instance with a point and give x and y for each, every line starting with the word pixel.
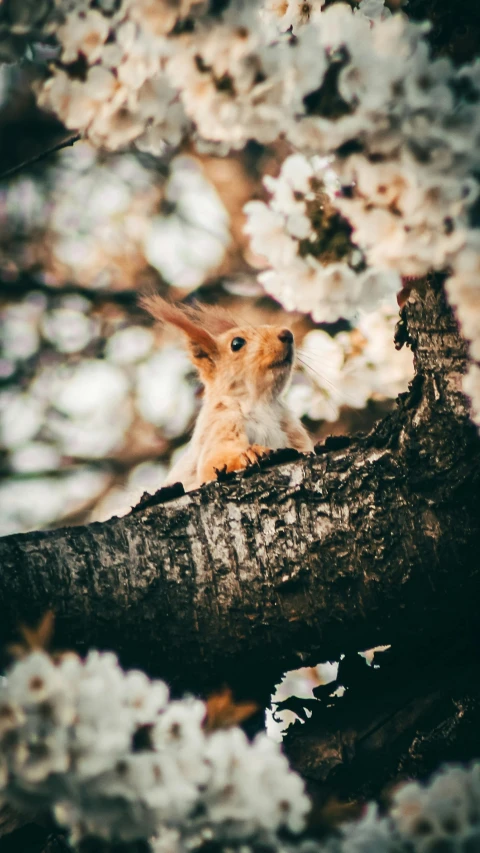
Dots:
pixel 373 541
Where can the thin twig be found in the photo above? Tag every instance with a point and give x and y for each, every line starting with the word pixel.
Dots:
pixel 18 168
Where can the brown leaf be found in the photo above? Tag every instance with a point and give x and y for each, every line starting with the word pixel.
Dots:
pixel 41 636
pixel 402 296
pixel 223 711
pixel 327 816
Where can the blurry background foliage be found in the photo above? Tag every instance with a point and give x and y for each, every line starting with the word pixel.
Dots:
pixel 95 401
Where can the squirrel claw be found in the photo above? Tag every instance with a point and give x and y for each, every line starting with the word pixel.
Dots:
pixel 254 453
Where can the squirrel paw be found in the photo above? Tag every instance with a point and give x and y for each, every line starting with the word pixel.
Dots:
pixel 226 463
pixel 254 453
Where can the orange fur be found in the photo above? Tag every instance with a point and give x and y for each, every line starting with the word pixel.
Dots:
pixel 243 415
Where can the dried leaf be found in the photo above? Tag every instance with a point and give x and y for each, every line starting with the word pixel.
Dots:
pixel 402 296
pixel 329 815
pixel 223 711
pixel 41 636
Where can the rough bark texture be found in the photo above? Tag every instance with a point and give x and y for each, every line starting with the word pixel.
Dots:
pixel 372 540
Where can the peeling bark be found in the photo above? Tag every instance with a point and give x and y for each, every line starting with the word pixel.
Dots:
pixel 370 540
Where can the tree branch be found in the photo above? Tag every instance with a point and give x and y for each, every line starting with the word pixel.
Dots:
pixel 369 541
pixel 65 143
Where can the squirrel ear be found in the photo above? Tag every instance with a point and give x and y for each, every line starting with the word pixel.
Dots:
pixel 201 344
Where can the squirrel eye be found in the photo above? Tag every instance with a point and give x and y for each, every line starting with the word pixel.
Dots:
pixel 238 343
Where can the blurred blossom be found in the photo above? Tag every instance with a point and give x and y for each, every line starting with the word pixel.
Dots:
pixel 20 326
pixel 93 213
pixel 92 408
pixel 21 417
pixel 351 368
pixel 147 477
pixel 69 330
pixel 84 390
pixel 82 486
pixel 177 453
pixel 91 209
pixel 443 812
pixel 20 335
pixel 92 437
pixel 22 204
pixel 242 286
pixel 129 345
pixel 7 368
pixel 68 745
pixel 163 396
pixel 103 224
pixel 35 457
pixel 190 238
pixel 36 502
pixel 29 504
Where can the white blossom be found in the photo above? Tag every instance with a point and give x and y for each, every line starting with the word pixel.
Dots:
pixel 463 289
pixel 67 742
pixel 129 345
pixel 350 368
pixel 163 396
pixel 445 811
pixel 35 502
pixel 84 32
pixel 189 239
pixel 286 231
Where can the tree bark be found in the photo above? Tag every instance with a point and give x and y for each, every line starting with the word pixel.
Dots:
pixel 396 720
pixel 370 540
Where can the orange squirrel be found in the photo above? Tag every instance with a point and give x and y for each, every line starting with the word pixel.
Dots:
pixel 244 370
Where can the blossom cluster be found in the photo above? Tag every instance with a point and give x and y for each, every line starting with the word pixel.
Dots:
pixel 403 128
pixel 151 72
pixel 355 92
pixel 100 222
pixel 443 814
pixel 350 368
pixel 113 757
pixel 121 93
pixel 75 410
pixel 403 137
pixel 315 267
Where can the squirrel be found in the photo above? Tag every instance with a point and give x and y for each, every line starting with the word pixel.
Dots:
pixel 245 371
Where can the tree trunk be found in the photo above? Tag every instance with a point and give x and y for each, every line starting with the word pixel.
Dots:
pixel 370 540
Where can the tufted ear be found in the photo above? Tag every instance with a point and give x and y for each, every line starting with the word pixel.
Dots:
pixel 192 322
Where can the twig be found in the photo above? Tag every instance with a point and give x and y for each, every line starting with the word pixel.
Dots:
pixel 64 144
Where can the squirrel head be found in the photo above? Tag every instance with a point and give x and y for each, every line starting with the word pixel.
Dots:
pixel 242 361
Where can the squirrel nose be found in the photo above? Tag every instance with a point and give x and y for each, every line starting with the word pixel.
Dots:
pixel 286 336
